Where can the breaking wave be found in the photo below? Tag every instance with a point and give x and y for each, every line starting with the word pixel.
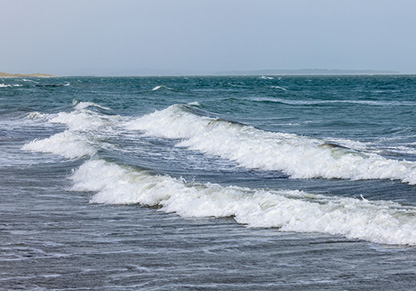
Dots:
pixel 296 156
pixel 376 221
pixel 82 138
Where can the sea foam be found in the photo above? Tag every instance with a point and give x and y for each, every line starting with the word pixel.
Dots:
pixel 68 144
pixel 376 221
pixel 84 128
pixel 296 156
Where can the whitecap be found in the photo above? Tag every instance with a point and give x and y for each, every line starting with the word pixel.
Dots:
pixel 68 144
pixel 296 156
pixel 161 87
pixel 83 105
pixel 375 221
pixel 85 127
pixel 278 87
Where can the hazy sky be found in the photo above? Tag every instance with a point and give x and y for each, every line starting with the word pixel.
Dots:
pixel 102 37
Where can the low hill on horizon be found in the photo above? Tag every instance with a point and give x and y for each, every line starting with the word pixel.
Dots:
pixel 39 75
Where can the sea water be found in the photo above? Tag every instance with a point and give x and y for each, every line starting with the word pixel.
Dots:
pixel 208 183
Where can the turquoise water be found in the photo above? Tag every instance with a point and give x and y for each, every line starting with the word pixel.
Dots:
pixel 208 182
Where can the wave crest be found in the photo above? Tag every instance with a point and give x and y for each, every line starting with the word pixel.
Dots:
pixel 296 156
pixel 375 221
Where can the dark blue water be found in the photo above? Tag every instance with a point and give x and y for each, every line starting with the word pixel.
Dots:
pixel 208 183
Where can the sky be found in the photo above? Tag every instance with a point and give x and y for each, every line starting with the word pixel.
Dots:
pixel 135 37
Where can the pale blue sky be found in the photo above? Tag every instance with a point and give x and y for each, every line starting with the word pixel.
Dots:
pixel 104 37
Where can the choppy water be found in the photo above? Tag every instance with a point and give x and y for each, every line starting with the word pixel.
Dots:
pixel 208 183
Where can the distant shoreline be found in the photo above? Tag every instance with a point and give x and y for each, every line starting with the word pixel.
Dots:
pixel 38 75
pixel 303 72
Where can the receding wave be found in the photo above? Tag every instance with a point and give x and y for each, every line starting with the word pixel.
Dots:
pixel 296 156
pixel 376 221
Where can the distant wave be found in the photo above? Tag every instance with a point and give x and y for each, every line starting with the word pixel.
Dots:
pixel 278 87
pixel 161 87
pixel 296 156
pixel 82 105
pixel 9 86
pixel 323 102
pixel 52 85
pixel 375 221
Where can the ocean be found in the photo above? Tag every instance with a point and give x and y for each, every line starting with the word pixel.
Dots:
pixel 208 183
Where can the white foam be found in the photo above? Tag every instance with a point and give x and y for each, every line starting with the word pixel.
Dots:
pixel 323 102
pixel 82 119
pixel 402 150
pixel 376 221
pixel 85 127
pixel 36 115
pixel 27 80
pixel 195 103
pixel 161 87
pixel 297 156
pixel 84 105
pixel 8 86
pixel 68 144
pixel 278 87
pixel 79 120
